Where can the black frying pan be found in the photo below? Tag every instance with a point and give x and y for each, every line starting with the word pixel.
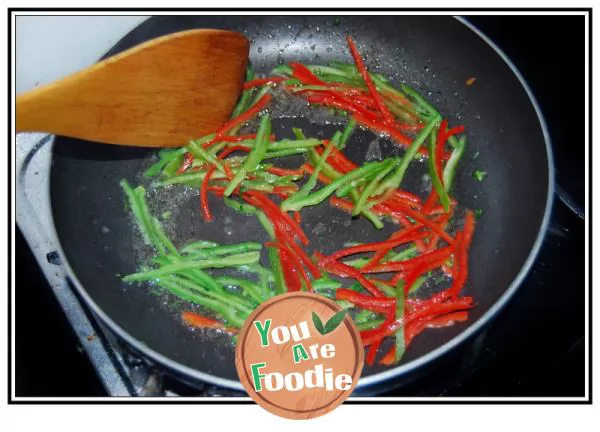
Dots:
pixel 434 54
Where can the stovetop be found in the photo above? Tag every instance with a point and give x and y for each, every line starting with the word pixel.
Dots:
pixel 535 347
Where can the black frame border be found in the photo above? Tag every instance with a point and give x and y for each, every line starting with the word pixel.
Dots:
pixel 133 400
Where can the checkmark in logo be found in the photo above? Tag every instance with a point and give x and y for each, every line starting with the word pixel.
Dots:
pixel 331 324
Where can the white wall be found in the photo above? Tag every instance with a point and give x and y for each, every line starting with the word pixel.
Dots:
pixel 49 47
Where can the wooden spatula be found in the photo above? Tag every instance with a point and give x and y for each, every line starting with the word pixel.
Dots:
pixel 161 93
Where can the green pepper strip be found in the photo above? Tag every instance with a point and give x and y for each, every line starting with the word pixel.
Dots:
pixel 348 129
pixel 400 344
pixel 325 283
pixel 435 178
pixel 230 261
pixel 251 289
pixel 240 207
pixel 287 144
pixel 334 175
pixel 139 208
pixel 273 254
pixel 284 70
pixel 312 180
pixel 171 167
pixel 386 289
pixel 223 250
pixel 371 324
pixel 165 157
pixel 201 244
pixel 255 157
pixel 369 189
pixel 450 168
pixel 320 195
pixel 161 236
pixel 244 101
pixel 189 178
pixel 421 101
pixel 394 181
pixel 288 152
pixel 220 308
pixel 196 148
pixel 226 297
pixel 199 280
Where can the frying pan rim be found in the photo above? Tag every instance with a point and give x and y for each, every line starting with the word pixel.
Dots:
pixel 398 370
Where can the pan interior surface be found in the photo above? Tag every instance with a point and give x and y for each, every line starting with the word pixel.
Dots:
pixel 436 55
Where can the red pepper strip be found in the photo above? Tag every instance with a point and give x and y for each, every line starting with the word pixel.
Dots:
pixel 397 278
pixel 461 257
pixel 347 206
pixel 228 171
pixel 429 209
pixel 285 189
pixel 416 327
pixel 297 217
pixel 298 266
pixel 285 172
pixel 343 270
pixel 294 259
pixel 300 254
pixel 443 222
pixel 334 100
pixel 370 358
pixel 360 65
pixel 395 134
pixel 421 219
pixel 390 357
pixel 194 320
pixel 420 269
pixel 378 256
pixel 322 177
pixel 338 158
pixel 342 204
pixel 188 159
pixel 439 150
pixel 226 152
pixel 469 228
pixel 276 213
pixel 410 264
pixel 361 99
pixel 392 198
pixel 244 117
pixel 370 336
pixel 281 222
pixel 384 282
pixel 305 75
pixel 290 273
pixel 376 304
pixel 407 237
pixel 406 196
pixel 259 82
pixel 292 280
pixel 204 194
pixel 454 131
pixel 399 98
pixel 217 190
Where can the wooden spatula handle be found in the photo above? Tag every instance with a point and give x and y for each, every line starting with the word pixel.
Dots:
pixel 159 94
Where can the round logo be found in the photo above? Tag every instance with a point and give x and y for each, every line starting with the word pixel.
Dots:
pixel 299 355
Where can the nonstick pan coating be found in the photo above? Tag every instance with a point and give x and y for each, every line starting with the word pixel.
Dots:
pixel 434 54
